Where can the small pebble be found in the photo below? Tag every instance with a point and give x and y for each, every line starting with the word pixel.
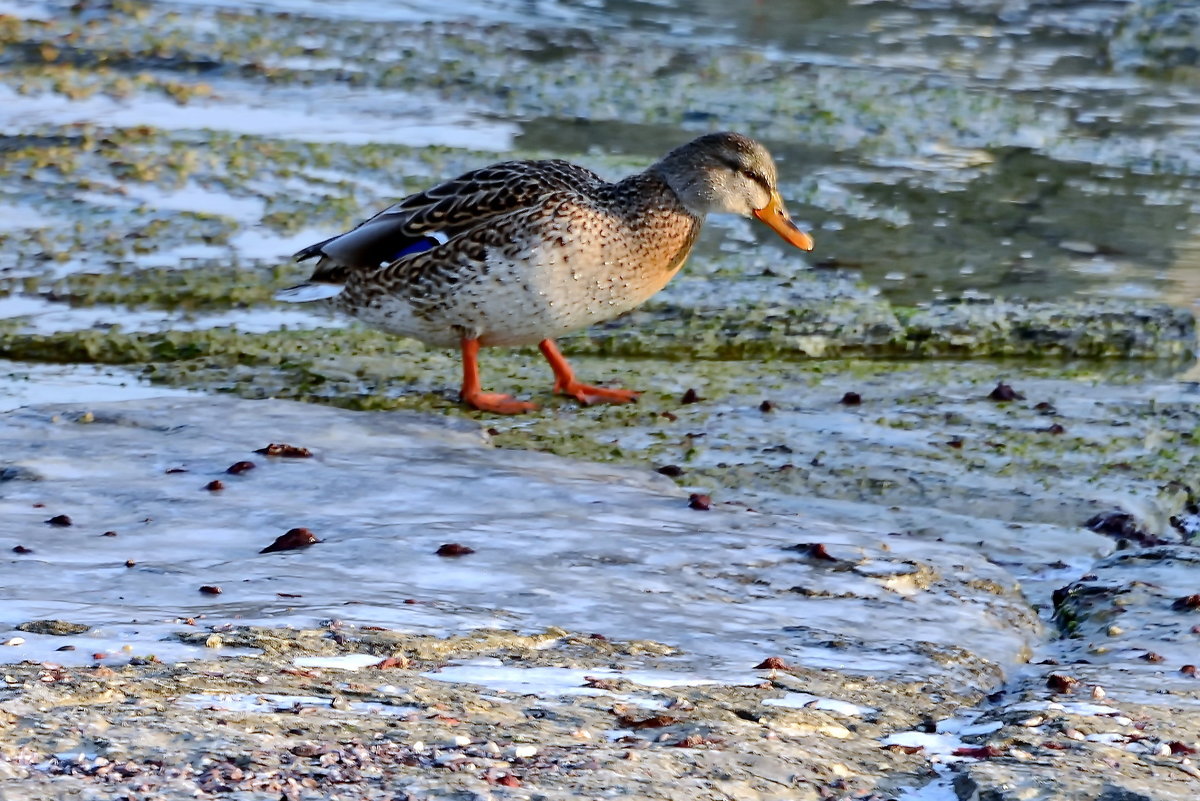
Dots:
pixel 237 468
pixel 772 663
pixel 293 539
pixel 21 549
pixel 851 399
pixel 691 396
pixel 1187 603
pixel 522 751
pixel 818 550
pixel 1080 246
pixel 210 589
pixel 61 521
pixel 1004 393
pixel 14 641
pixel 454 549
pixel 285 450
pixel 699 502
pixel 214 486
pixel 1062 683
pixel 670 470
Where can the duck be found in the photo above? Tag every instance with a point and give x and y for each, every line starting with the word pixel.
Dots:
pixel 522 252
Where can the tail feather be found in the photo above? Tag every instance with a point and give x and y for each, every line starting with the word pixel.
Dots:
pixel 327 281
pixel 308 292
pixel 312 251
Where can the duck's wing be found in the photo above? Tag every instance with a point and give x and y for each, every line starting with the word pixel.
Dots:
pixel 437 215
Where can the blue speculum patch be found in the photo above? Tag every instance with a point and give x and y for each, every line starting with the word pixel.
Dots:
pixel 419 246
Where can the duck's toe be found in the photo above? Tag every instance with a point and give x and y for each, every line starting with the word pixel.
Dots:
pixel 498 403
pixel 588 395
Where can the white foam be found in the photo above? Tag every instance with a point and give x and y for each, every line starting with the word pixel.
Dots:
pixel 341 662
pixel 267 702
pixel 809 701
pixel 553 681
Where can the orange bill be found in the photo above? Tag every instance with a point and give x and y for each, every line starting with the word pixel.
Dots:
pixel 776 216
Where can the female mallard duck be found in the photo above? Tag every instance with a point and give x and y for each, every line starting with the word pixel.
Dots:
pixel 525 251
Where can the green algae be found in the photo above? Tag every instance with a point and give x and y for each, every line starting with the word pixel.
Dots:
pixel 771 332
pixel 977 201
pixel 362 369
pixel 212 287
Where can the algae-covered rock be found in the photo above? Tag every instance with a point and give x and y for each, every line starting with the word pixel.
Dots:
pixel 57 628
pixel 1070 329
pixel 1157 36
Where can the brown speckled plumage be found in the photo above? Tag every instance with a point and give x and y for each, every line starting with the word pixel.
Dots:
pixel 579 256
pixel 524 251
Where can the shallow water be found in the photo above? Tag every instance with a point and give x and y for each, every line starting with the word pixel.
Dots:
pixel 935 149
pixel 610 551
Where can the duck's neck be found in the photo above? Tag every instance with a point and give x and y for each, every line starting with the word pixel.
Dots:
pixel 649 193
pixel 660 230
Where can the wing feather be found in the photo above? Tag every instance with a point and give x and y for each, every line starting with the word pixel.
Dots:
pixel 446 210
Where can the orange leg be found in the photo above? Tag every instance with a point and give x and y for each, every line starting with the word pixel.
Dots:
pixel 472 395
pixel 565 383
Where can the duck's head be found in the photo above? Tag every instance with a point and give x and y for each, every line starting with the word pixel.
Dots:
pixel 730 173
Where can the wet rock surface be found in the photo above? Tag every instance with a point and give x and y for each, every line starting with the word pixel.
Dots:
pixel 811 317
pixel 1158 37
pixel 608 549
pixel 937 149
pixel 624 640
pixel 268 727
pixel 918 533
